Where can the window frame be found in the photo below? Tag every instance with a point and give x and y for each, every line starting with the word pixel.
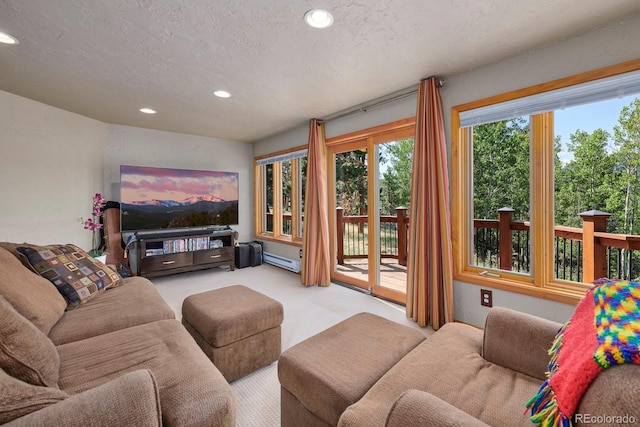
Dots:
pixel 541 283
pixel 260 219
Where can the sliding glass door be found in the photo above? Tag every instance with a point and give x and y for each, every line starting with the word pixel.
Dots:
pixel 371 181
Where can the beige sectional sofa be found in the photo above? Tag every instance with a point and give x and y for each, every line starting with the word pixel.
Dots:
pixel 120 358
pixel 459 376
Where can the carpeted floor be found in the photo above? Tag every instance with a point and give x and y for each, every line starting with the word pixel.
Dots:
pixel 307 311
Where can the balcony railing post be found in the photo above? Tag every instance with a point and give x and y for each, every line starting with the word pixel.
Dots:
pixel 340 234
pixel 401 230
pixel 505 244
pixel 594 260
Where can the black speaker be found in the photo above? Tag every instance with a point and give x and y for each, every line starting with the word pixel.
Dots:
pixel 242 255
pixel 255 253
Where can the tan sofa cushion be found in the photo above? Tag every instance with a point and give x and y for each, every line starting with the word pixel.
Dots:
pixel 527 337
pixel 419 408
pixel 192 390
pixel 18 398
pixel 25 352
pixel 449 366
pixel 135 303
pixel 30 294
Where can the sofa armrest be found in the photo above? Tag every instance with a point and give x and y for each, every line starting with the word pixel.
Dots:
pixel 131 399
pixel 613 392
pixel 419 408
pixel 518 341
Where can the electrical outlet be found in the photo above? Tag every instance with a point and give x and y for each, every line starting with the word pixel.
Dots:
pixel 486 298
pixel 300 253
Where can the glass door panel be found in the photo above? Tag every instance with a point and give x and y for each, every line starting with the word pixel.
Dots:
pixel 371 179
pixel 393 181
pixel 351 220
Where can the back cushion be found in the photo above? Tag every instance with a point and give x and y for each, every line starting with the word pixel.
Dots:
pixel 19 398
pixel 30 294
pixel 25 352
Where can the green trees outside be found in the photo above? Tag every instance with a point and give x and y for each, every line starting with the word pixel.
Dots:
pixel 585 182
pixel 603 175
pixel 395 185
pixel 501 168
pixel 351 182
pixel 395 160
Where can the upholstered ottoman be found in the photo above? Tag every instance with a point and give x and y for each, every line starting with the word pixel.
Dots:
pixel 237 328
pixel 323 375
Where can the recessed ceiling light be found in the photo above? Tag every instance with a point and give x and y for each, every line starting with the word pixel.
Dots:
pixel 318 18
pixel 222 93
pixel 148 111
pixel 7 39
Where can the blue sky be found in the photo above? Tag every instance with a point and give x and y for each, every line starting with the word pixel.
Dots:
pixel 603 115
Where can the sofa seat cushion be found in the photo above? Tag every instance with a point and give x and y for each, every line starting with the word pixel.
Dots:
pixel 30 294
pixel 192 391
pixel 25 352
pixel 135 303
pixel 449 366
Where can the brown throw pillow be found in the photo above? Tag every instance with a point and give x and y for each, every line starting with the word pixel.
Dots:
pixel 29 293
pixel 18 398
pixel 77 276
pixel 25 352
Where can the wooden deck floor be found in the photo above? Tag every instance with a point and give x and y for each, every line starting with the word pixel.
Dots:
pixel 392 274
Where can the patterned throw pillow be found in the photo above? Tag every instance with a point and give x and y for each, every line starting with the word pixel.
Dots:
pixel 76 275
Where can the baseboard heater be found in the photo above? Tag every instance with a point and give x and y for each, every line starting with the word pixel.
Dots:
pixel 278 261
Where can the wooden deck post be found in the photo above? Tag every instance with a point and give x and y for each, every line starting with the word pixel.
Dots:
pixel 340 234
pixel 505 244
pixel 401 230
pixel 594 255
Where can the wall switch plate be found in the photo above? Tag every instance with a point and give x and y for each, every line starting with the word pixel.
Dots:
pixel 486 298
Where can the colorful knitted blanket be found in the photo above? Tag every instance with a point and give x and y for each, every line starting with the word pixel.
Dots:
pixel 603 331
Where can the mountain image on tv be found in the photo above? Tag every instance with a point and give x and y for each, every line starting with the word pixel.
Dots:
pixel 160 198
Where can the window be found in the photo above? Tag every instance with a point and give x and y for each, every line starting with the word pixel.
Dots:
pixel 525 166
pixel 279 198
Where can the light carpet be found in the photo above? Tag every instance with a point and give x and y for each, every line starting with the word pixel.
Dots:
pixel 307 311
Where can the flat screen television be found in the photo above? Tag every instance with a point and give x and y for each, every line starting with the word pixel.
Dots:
pixel 162 198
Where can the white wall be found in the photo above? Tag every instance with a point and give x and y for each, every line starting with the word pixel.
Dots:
pixel 609 45
pixel 126 145
pixel 51 164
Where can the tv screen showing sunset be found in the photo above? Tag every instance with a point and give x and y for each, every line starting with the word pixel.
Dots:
pixel 158 198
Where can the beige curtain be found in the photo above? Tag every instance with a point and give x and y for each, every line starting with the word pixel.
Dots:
pixel 316 259
pixel 430 260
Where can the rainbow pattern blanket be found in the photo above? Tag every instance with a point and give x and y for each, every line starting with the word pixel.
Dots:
pixel 603 331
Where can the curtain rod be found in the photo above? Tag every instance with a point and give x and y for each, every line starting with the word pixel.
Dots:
pixel 362 108
pixel 386 99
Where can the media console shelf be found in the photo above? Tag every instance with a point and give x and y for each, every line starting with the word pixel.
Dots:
pixel 170 253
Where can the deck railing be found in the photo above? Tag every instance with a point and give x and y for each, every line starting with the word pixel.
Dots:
pixel 352 236
pixel 581 254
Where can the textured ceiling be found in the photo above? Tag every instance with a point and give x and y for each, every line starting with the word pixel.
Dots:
pixel 106 59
